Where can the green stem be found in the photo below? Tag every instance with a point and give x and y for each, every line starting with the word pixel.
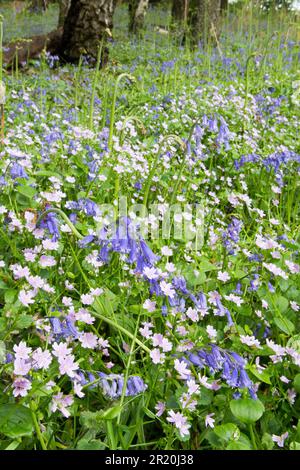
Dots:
pixel 66 219
pixel 253 440
pixel 154 165
pixel 37 429
pixel 110 432
pixel 113 106
pixel 103 317
pixel 95 83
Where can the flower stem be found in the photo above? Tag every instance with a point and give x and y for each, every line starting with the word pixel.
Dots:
pixel 37 428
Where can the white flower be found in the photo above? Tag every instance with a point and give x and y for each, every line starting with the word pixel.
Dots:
pixel 21 350
pixel 223 276
pixel 27 297
pixel 167 289
pixel 250 341
pixel 157 357
pixel 180 422
pixel 294 306
pixel 88 340
pixel 47 261
pixel 192 314
pixel 235 299
pixel 41 359
pixel 182 368
pixel 166 251
pixel 149 305
pixel 209 420
pixel 280 439
pixel 211 331
pixel 87 299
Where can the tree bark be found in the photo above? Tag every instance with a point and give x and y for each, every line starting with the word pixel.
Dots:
pixel 87 24
pixel 179 11
pixel 204 20
pixel 137 11
pixel 37 6
pixel 64 6
pixel 224 6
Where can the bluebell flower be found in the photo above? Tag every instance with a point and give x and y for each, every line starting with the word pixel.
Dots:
pixel 86 241
pixel 17 171
pixel 229 364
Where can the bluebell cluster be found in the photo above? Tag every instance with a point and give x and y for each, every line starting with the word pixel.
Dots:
pixel 273 161
pixel 85 205
pixel 230 364
pixel 232 235
pixel 63 328
pixel 50 223
pixel 112 384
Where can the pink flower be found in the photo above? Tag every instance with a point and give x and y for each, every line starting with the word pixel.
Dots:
pixel 88 340
pixel 160 408
pixel 182 369
pixel 21 366
pixel 180 422
pixel 21 387
pixel 68 366
pixel 42 359
pixel 27 297
pixel 47 261
pixel 61 351
pixel 280 439
pixel 157 357
pixel 21 350
pixel 167 289
pixel 223 276
pixel 61 402
pixel 209 420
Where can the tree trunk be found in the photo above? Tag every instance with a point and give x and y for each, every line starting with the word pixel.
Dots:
pixel 87 24
pixel 137 11
pixel 179 11
pixel 224 6
pixel 64 6
pixel 204 20
pixel 37 6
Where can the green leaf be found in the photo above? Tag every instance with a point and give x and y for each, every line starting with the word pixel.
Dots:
pixel 149 413
pixel 267 441
pixel 247 410
pixel 2 352
pixel 10 296
pixel 226 431
pixel 295 446
pixel 206 266
pixel 296 383
pixel 24 321
pixel 27 191
pixel 15 420
pixel 112 412
pixel 263 376
pixel 284 325
pixel 242 443
pixel 3 285
pixel 85 444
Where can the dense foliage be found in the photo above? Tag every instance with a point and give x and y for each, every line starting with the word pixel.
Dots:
pixel 112 337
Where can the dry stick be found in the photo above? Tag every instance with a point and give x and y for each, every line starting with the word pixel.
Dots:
pixel 217 41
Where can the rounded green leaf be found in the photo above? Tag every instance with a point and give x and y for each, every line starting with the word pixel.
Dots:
pixel 247 410
pixel 227 431
pixel 296 383
pixel 15 420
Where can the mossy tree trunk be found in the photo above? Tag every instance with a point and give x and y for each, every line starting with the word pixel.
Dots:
pixel 137 11
pixel 86 26
pixel 64 6
pixel 204 20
